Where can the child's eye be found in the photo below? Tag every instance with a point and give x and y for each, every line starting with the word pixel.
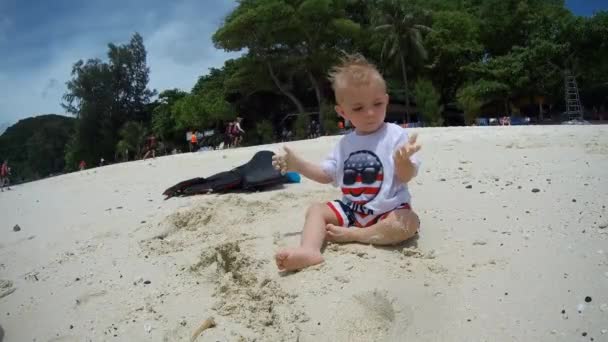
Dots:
pixel 357 109
pixel 378 104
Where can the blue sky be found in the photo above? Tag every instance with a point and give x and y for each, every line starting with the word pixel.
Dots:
pixel 40 40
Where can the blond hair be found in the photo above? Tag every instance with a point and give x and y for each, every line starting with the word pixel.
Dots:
pixel 353 70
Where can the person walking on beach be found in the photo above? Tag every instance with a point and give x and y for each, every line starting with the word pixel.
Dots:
pixel 237 132
pixel 228 137
pixel 5 172
pixel 372 165
pixel 150 147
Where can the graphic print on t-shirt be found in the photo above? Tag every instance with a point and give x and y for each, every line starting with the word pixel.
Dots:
pixel 363 176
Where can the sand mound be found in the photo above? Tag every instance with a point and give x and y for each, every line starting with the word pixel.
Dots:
pixel 211 220
pixel 246 296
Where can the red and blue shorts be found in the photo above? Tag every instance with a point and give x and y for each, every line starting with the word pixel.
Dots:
pixel 348 217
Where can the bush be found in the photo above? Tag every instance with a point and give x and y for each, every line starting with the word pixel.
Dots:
pixel 427 101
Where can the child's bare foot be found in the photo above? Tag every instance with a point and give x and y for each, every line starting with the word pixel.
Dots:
pixel 339 233
pixel 292 259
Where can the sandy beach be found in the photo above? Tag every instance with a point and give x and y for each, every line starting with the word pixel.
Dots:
pixel 513 247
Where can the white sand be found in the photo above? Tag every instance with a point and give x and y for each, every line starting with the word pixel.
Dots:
pixel 496 262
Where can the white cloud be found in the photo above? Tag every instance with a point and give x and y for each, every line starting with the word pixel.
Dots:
pixel 181 50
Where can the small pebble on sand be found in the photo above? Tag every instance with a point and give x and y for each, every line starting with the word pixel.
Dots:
pixel 535 190
pixel 580 308
pixel 16 228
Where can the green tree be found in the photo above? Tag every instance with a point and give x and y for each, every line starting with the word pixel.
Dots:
pixel 470 103
pixel 257 26
pixel 105 95
pixel 132 135
pixel 401 26
pixel 35 146
pixel 89 98
pixel 322 31
pixel 291 39
pixel 453 44
pixel 163 120
pixel 427 101
pixel 130 76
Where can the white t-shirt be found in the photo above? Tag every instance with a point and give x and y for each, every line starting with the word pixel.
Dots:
pixel 362 166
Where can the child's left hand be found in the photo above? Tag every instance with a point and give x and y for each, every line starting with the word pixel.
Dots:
pixel 402 154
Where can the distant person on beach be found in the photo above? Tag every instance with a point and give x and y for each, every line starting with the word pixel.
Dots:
pixel 228 137
pixel 371 165
pixel 5 173
pixel 150 147
pixel 237 132
pixel 82 165
pixel 193 141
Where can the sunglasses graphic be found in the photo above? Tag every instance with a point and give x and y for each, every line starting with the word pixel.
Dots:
pixel 366 175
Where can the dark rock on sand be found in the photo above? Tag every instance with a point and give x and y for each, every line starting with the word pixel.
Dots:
pixel 16 228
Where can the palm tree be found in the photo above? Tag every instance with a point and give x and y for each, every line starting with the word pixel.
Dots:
pixel 402 26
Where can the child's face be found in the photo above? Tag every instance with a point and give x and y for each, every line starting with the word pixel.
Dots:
pixel 363 106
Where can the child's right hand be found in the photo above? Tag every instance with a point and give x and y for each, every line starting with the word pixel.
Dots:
pixel 285 160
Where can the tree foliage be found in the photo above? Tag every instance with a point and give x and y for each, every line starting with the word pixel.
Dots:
pixel 428 102
pixel 105 95
pixel 401 26
pixel 34 147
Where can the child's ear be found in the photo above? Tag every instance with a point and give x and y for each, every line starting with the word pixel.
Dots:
pixel 340 111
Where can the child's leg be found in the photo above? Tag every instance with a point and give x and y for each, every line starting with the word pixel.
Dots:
pixel 398 226
pixel 313 236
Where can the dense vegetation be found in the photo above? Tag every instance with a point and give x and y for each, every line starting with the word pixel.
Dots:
pixel 446 62
pixel 35 147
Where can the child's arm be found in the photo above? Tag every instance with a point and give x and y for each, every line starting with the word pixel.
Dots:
pixel 291 162
pixel 405 167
